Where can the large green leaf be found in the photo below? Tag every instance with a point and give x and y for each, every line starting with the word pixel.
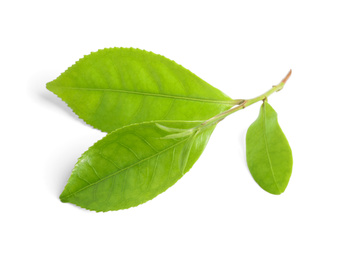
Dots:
pixel 269 156
pixel 115 87
pixel 134 164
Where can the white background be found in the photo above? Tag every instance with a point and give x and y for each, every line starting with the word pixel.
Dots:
pixel 216 211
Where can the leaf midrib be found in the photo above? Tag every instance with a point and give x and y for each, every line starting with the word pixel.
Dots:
pixel 152 94
pixel 267 152
pixel 124 169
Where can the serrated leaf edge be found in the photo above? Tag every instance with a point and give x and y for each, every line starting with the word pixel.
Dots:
pixel 81 157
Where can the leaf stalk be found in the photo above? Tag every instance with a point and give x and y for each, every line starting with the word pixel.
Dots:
pixel 242 103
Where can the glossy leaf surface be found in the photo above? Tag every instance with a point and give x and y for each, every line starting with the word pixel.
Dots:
pixel 133 165
pixel 115 87
pixel 269 156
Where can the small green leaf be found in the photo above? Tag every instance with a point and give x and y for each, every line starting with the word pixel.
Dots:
pixel 170 129
pixel 269 156
pixel 133 165
pixel 115 87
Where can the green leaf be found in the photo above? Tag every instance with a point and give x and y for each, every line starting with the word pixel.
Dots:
pixel 132 165
pixel 269 156
pixel 115 87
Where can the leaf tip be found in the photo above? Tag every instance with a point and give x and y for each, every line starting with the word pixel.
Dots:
pixel 276 192
pixel 49 86
pixel 63 198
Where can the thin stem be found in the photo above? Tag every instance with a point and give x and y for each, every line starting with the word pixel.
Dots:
pixel 242 103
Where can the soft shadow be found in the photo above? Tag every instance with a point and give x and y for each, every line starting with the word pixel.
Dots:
pixel 242 142
pixel 59 174
pixel 39 91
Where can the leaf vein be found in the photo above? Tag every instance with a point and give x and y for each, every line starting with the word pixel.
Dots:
pixel 146 142
pixel 170 170
pixel 231 102
pixel 267 151
pixel 95 172
pixel 154 172
pixel 126 168
pixel 129 149
pixel 82 179
pixel 109 160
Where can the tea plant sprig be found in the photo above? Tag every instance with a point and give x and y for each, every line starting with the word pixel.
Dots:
pixel 159 117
